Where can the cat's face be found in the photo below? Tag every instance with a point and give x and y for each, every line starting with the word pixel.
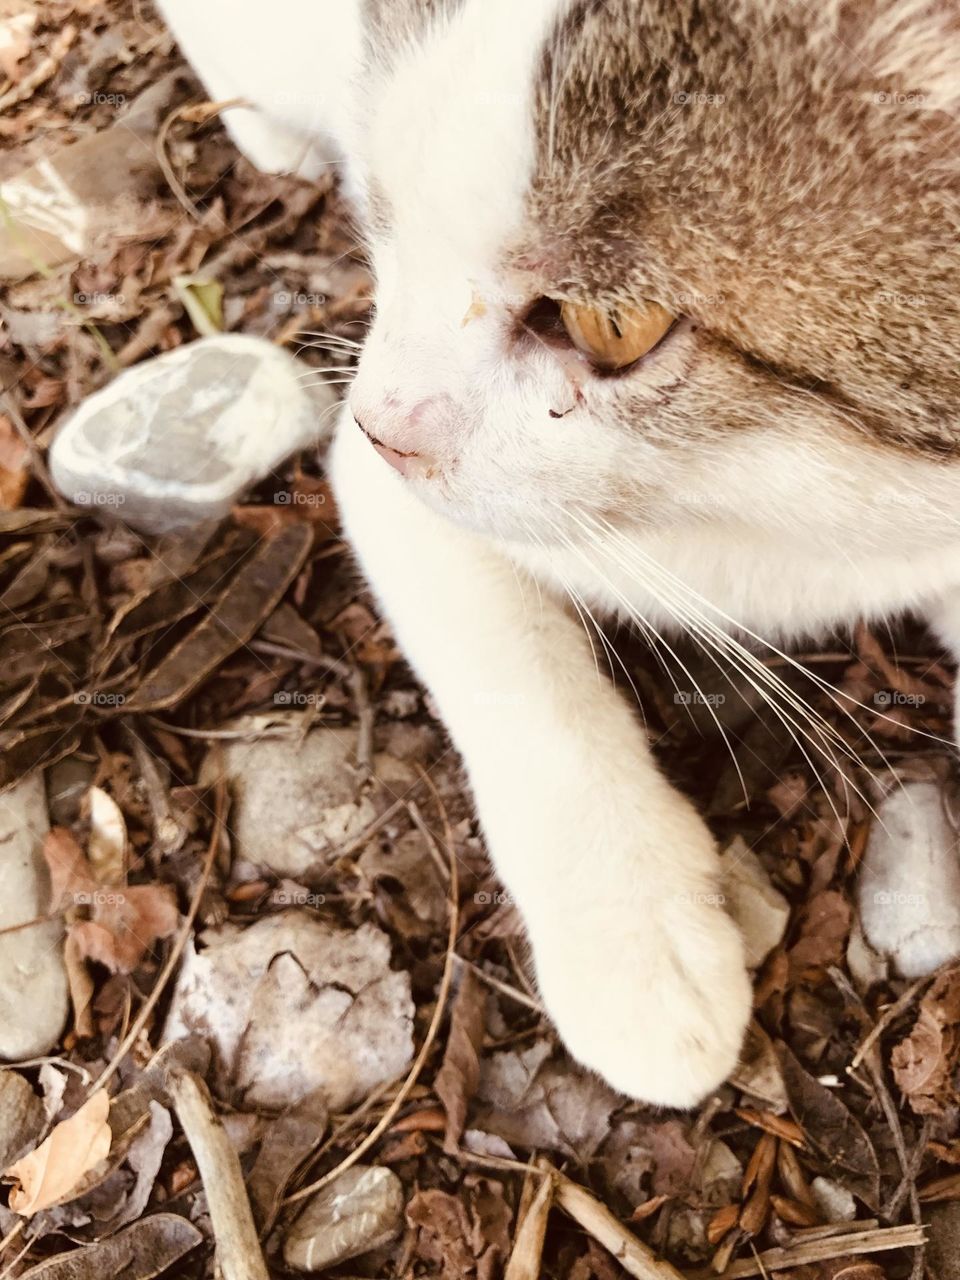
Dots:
pixel 781 180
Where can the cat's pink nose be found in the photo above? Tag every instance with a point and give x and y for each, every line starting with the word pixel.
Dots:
pixel 397 458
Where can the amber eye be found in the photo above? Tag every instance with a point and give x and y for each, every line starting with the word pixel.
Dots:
pixel 614 338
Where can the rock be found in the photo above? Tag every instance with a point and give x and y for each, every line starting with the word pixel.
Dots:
pixel 909 888
pixel 760 910
pixel 174 440
pixel 298 800
pixel 85 198
pixel 33 980
pixel 359 1211
pixel 836 1203
pixel 294 1005
pixel 21 1117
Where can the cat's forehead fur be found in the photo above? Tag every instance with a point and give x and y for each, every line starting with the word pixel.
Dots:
pixel 786 175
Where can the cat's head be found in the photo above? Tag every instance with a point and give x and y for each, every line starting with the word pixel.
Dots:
pixel 650 262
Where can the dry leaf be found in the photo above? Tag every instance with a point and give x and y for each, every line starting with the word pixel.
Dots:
pixel 838 1134
pixel 925 1062
pixel 48 1174
pixel 108 837
pixel 457 1079
pixel 14 471
pixel 142 1251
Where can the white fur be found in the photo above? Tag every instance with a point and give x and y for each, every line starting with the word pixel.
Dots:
pixel 614 873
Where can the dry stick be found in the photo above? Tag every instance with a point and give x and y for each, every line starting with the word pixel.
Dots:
pixel 205 109
pixel 238 1248
pixel 594 1216
pixel 166 972
pixel 526 1257
pixel 840 1246
pixel 444 990
pixel 872 1060
pixel 894 1010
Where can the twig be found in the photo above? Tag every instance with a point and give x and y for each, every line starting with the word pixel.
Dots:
pixel 176 950
pixel 238 1248
pixel 503 987
pixel 206 110
pixel 526 1257
pixel 442 993
pixel 594 1216
pixel 840 1246
pixel 894 1011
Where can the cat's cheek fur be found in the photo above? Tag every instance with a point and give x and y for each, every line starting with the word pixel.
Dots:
pixel 613 872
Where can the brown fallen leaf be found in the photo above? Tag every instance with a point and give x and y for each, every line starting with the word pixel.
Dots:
pixel 925 1062
pixel 251 596
pixel 14 466
pixel 140 1252
pixel 48 1174
pixel 824 929
pixel 457 1079
pixel 124 920
pixel 836 1133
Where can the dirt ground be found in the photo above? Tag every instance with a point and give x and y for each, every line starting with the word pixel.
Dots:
pixel 839 1135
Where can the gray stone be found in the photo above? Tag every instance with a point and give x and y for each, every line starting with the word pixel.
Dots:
pixel 909 887
pixel 298 799
pixel 33 980
pixel 175 440
pixel 294 1006
pixel 359 1211
pixel 836 1203
pixel 21 1117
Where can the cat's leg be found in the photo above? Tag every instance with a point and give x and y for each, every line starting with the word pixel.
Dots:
pixel 613 871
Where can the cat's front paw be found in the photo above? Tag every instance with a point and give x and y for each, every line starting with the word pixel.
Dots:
pixel 646 982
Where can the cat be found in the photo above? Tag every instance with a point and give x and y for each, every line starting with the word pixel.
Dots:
pixel 666 328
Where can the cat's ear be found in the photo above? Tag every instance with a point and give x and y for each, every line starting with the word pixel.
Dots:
pixel 912 49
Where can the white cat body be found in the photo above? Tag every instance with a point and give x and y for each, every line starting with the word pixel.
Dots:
pixel 520 491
